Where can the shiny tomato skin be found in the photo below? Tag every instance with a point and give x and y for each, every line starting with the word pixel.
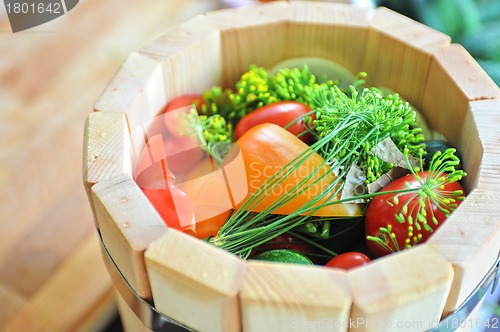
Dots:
pixel 173 206
pixel 172 155
pixel 348 260
pixel 381 214
pixel 183 100
pixel 182 154
pixel 280 113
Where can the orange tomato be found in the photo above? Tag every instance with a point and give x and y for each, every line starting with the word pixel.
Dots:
pixel 267 149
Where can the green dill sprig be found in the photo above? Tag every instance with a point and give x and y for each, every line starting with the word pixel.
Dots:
pixel 216 129
pixel 368 110
pixel 258 87
pixel 349 127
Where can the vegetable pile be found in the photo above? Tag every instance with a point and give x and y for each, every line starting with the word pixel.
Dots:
pixel 288 168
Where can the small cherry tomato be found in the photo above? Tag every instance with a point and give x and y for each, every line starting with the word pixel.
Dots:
pixel 417 222
pixel 348 260
pixel 281 113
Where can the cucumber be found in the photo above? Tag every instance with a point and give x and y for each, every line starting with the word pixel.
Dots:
pixel 284 256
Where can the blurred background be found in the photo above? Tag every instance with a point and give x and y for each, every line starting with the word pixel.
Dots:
pixel 473 23
pixel 51 274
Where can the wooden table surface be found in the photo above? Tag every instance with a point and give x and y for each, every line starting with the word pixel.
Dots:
pixel 51 274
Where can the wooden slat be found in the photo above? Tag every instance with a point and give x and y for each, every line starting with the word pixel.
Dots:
pixel 289 297
pixel 337 32
pixel 250 35
pixel 191 57
pixel 470 240
pixel 128 223
pixel 398 53
pixel 454 80
pixel 127 83
pixel 129 89
pixel 268 34
pixel 107 151
pixel 471 148
pixel 195 283
pixel 404 291
pixel 487 121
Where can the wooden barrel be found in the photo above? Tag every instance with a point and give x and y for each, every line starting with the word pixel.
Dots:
pixel 204 288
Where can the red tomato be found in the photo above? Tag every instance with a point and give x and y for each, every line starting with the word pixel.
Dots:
pixel 348 260
pixel 280 113
pixel 169 119
pixel 173 206
pixel 173 155
pixel 152 170
pixel 184 100
pixel 382 211
pixel 162 124
pixel 182 154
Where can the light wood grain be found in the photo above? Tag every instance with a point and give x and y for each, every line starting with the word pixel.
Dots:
pixel 128 223
pixel 13 302
pixel 191 57
pixel 401 291
pixel 289 297
pixel 337 32
pixel 486 122
pixel 398 53
pixel 87 304
pixel 136 92
pixel 470 240
pixel 107 149
pixel 195 283
pixel 454 80
pixel 268 34
pixel 253 36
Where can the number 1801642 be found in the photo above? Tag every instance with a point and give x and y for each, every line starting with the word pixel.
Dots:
pixel 32 8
